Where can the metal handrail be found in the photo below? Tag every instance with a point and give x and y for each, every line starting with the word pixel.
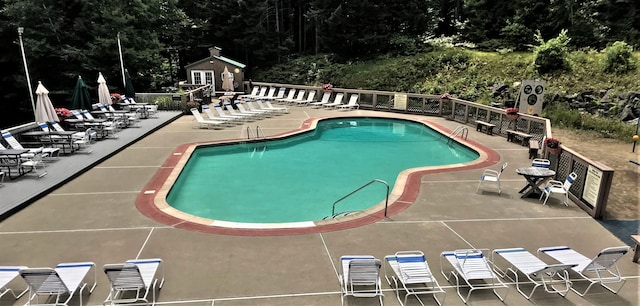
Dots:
pixel 250 133
pixel 386 203
pixel 460 130
pixel 259 131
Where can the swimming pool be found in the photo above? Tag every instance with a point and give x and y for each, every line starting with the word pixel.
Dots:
pixel 298 178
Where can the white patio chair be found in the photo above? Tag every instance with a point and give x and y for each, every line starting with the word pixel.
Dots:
pixel 360 277
pixel 7 274
pixel 222 114
pixel 1 178
pixel 83 144
pixel 268 106
pixel 492 176
pixel 558 187
pixel 65 279
pixel 247 117
pixel 472 269
pixel 541 162
pixel 132 281
pixel 32 164
pixel 289 97
pixel 602 269
pixel 536 271
pixel 411 271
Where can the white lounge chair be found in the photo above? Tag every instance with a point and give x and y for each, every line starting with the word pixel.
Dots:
pixel 254 92
pixel 242 110
pixel 411 271
pixel 205 123
pixel 65 279
pixel 538 273
pixel 44 151
pixel 222 114
pixel 268 106
pixel 247 117
pixel 289 97
pixel 7 274
pixel 325 100
pixel 360 277
pixel 602 269
pixel 1 178
pixel 299 97
pixel 558 187
pixel 77 135
pixel 207 110
pixel 492 176
pixel 309 99
pixel 472 269
pixel 252 110
pixel 353 103
pixel 139 276
pixel 337 100
pixel 272 94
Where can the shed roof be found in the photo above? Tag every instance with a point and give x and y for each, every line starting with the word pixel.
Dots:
pixel 221 58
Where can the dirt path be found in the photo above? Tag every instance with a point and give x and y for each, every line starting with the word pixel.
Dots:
pixel 624 197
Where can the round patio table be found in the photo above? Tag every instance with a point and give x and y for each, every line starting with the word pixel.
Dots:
pixel 535 177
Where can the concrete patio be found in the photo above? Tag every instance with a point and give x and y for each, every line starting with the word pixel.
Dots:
pixel 93 217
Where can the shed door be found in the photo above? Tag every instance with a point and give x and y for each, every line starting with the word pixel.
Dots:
pixel 202 77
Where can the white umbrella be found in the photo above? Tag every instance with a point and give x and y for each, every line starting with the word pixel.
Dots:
pixel 227 80
pixel 103 91
pixel 44 109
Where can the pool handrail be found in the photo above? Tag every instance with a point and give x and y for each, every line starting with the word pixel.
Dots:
pixel 386 203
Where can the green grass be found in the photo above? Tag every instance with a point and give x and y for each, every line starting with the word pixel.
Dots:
pixel 465 74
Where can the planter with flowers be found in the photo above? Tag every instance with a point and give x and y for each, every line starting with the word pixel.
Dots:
pixel 327 87
pixel 553 145
pixel 445 98
pixel 512 113
pixel 62 113
pixel 191 104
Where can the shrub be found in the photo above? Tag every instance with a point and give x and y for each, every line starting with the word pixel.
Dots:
pixel 619 58
pixel 551 55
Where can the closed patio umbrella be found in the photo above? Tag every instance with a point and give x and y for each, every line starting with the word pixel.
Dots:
pixel 44 109
pixel 103 91
pixel 128 85
pixel 81 98
pixel 227 80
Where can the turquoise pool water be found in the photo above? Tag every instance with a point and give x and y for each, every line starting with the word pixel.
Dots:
pixel 299 178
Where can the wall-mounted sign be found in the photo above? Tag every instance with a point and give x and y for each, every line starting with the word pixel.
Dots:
pixel 592 185
pixel 400 101
pixel 531 97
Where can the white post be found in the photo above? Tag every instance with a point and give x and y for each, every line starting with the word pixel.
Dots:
pixel 124 82
pixel 26 71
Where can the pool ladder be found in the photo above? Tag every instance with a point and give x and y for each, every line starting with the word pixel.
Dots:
pixel 461 130
pixel 257 135
pixel 344 213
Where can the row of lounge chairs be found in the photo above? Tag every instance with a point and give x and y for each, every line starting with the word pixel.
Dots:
pixel 130 282
pixel 297 97
pixel 232 116
pixel 408 273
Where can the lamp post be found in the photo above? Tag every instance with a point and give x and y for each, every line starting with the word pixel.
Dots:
pixel 26 70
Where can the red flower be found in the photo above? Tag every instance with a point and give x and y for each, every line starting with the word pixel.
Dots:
pixel 511 111
pixel 552 143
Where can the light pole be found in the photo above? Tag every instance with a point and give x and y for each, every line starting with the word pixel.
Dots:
pixel 26 70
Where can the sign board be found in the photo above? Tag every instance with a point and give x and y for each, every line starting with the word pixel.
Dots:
pixel 592 185
pixel 531 97
pixel 400 101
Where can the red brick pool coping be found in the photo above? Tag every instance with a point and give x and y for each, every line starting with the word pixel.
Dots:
pixel 146 201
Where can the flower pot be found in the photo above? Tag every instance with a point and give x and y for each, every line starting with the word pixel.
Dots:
pixel 512 116
pixel 445 100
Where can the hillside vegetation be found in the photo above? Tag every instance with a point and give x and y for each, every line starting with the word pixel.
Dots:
pixel 471 75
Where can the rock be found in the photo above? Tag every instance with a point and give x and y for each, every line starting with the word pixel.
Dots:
pixel 627 113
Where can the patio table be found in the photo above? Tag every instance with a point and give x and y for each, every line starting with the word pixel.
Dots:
pixel 535 177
